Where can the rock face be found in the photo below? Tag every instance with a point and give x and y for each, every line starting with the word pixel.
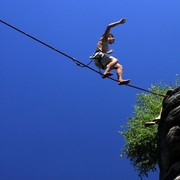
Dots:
pixel 169 137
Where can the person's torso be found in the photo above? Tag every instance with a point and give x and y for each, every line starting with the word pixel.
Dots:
pixel 102 45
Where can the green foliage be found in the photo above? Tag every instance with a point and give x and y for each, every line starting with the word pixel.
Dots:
pixel 140 141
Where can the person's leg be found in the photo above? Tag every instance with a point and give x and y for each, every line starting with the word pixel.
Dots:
pixel 111 65
pixel 119 70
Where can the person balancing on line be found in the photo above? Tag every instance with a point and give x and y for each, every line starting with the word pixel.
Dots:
pixel 102 57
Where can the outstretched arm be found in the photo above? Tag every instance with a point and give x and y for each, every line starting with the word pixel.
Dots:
pixel 121 21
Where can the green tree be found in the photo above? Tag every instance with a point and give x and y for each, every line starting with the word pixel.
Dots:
pixel 140 141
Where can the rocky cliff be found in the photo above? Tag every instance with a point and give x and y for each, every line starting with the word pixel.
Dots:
pixel 169 137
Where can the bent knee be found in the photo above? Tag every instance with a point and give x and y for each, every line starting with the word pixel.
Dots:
pixel 119 66
pixel 114 60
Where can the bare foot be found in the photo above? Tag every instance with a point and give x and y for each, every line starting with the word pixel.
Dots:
pixel 106 75
pixel 124 82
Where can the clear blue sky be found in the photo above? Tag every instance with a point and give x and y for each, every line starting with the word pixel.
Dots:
pixel 59 121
